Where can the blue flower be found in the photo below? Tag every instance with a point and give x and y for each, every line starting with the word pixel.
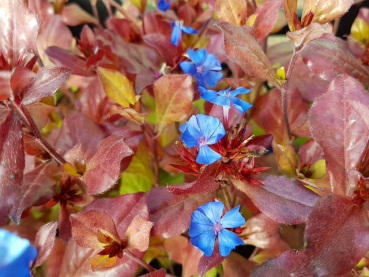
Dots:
pixel 177 31
pixel 201 131
pixel 207 225
pixel 225 97
pixel 205 67
pixel 164 5
pixel 16 255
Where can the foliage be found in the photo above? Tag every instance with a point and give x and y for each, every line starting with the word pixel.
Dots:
pixel 269 140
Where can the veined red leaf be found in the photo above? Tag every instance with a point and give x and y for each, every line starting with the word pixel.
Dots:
pixel 138 233
pixel 157 273
pixel 170 213
pixel 19 28
pixel 85 227
pixel 326 11
pixel 5 88
pixel 328 58
pixel 45 83
pixel 173 95
pixel 242 48
pixel 11 164
pixel 313 31
pixel 292 202
pixel 266 17
pixel 343 140
pixel 44 241
pixel 232 11
pixel 334 219
pixel 161 43
pixel 37 188
pixel 104 168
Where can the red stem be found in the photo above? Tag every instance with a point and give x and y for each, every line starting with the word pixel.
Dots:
pixel 31 125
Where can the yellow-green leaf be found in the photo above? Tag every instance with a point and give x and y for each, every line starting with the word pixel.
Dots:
pixel 286 158
pixel 318 169
pixel 232 11
pixel 117 87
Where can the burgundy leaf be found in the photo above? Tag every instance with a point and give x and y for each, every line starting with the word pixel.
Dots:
pixel 207 263
pixel 292 202
pixel 328 58
pixel 72 134
pixel 104 168
pixel 236 265
pixel 334 219
pixel 144 79
pixel 271 119
pixel 65 58
pixel 172 213
pixel 242 48
pixel 157 273
pixel 45 83
pixel 340 126
pixel 11 164
pixel 44 241
pixel 161 43
pixel 5 88
pixel 205 183
pixel 19 28
pixel 37 188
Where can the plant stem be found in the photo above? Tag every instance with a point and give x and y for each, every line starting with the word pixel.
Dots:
pixel 96 14
pixel 139 261
pixel 31 125
pixel 284 90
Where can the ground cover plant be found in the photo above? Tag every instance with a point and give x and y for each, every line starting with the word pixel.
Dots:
pixel 169 137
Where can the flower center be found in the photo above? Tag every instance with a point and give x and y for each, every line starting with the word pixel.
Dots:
pixel 202 141
pixel 217 227
pixel 200 69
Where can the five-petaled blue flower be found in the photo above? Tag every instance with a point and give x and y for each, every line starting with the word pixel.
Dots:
pixel 207 225
pixel 164 5
pixel 201 131
pixel 205 67
pixel 225 97
pixel 177 31
pixel 16 255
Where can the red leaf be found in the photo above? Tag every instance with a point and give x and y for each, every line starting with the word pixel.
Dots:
pixel 310 153
pixel 172 213
pixel 138 233
pixel 267 14
pixel 157 273
pixel 344 107
pixel 44 241
pixel 205 183
pixel 54 263
pixel 104 168
pixel 42 8
pixel 5 89
pixel 144 79
pixel 11 164
pixel 45 83
pixel 236 265
pixel 242 48
pixel 292 202
pixel 85 227
pixel 207 263
pixel 65 58
pixel 336 236
pixel 271 119
pixel 74 15
pixel 161 43
pixel 72 134
pixel 37 188
pixel 19 28
pixel 328 58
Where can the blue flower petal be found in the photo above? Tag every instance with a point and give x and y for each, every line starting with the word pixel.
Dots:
pixel 233 218
pixel 227 241
pixel 240 90
pixel 176 33
pixel 199 223
pixel 164 5
pixel 183 127
pixel 207 155
pixel 188 68
pixel 219 132
pixel 209 126
pixel 197 57
pixel 240 105
pixel 192 133
pixel 212 77
pixel 205 242
pixel 16 255
pixel 200 80
pixel 212 63
pixel 213 97
pixel 189 30
pixel 212 210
